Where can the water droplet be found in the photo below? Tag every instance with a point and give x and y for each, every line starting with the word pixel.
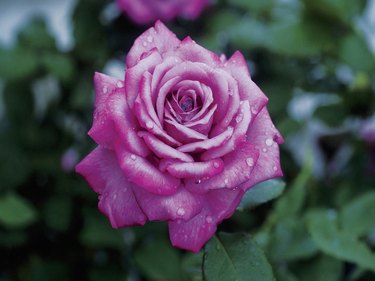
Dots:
pixel 216 164
pixel 144 44
pixel 218 248
pixel 264 149
pixel 230 92
pixel 180 212
pixel 239 118
pixel 226 181
pixel 114 196
pixel 269 142
pixel 149 125
pixel 254 110
pixel 250 162
pixel 198 181
pixel 274 168
pixel 150 39
pixel 120 84
pixel 105 89
pixel 209 219
pixel 133 157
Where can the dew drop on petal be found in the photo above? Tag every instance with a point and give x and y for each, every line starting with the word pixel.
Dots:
pixel 120 84
pixel 105 89
pixel 216 164
pixel 230 92
pixel 209 219
pixel 114 196
pixel 150 39
pixel 250 162
pixel 149 125
pixel 274 168
pixel 226 181
pixel 239 118
pixel 269 142
pixel 254 110
pixel 133 157
pixel 264 149
pixel 198 181
pixel 180 212
pixel 144 44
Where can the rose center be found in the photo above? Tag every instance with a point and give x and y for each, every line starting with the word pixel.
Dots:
pixel 187 104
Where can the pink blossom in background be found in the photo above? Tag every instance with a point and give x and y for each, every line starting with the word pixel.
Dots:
pixel 181 139
pixel 148 11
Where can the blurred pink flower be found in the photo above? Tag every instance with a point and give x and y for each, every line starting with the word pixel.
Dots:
pixel 148 11
pixel 181 139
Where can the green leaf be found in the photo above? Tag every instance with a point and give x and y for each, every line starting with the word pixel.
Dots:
pixel 159 260
pixel 297 38
pixel 17 63
pixel 97 232
pixel 262 193
pixel 355 52
pixel 290 241
pixel 35 35
pixel 358 217
pixel 323 227
pixel 235 257
pixel 59 65
pixel 253 6
pixel 192 266
pixel 57 212
pixel 322 268
pixel 16 212
pixel 293 199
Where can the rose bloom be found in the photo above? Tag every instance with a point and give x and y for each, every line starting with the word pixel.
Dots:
pixel 181 139
pixel 148 11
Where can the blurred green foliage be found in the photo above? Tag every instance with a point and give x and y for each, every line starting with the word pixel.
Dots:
pixel 322 228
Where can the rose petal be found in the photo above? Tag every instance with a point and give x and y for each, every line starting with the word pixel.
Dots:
pixel 237 170
pixel 159 37
pixel 181 205
pixel 182 133
pixel 162 150
pixel 188 50
pixel 242 122
pixel 203 125
pixel 112 118
pixel 265 137
pixel 194 233
pixel 197 170
pixel 248 90
pixel 199 146
pixel 144 174
pixel 133 75
pixel 146 122
pixel 116 200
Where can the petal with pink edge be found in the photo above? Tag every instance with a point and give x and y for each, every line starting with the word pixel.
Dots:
pixel 263 135
pixel 181 205
pixel 116 199
pixel 159 37
pixel 144 174
pixel 197 170
pixel 193 234
pixel 238 167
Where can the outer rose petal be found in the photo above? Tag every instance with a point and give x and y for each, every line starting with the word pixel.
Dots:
pixel 181 205
pixel 112 119
pixel 159 37
pixel 266 138
pixel 144 174
pixel 248 90
pixel 101 171
pixel 238 167
pixel 191 235
pixel 197 170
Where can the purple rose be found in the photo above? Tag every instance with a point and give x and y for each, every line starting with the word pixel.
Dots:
pixel 181 139
pixel 148 11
